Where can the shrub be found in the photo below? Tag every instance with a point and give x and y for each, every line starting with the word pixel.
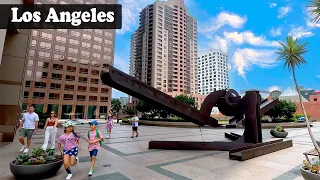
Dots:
pixel 279 129
pixel 38 156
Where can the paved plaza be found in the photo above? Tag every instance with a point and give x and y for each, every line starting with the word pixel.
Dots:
pixel 122 157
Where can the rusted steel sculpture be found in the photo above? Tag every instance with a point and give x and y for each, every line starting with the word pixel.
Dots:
pixel 249 109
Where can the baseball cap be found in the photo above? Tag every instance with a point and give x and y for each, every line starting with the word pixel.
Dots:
pixel 94 122
pixel 68 123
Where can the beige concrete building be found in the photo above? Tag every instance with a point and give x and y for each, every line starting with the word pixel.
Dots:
pixel 164 48
pixel 64 66
pixel 14 45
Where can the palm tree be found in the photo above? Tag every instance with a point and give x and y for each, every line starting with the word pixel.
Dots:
pixel 291 52
pixel 315 10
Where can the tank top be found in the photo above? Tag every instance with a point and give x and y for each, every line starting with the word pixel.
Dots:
pixel 51 123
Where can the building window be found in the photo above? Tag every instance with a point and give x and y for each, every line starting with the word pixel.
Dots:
pixel 94 81
pixel 105 90
pixel 315 99
pixel 67 97
pixel 45 45
pixel 83 79
pixel 40 85
pixel 27 84
pixel 70 78
pixel 68 87
pixel 60 48
pixel 95 72
pixel 26 94
pixel 57 66
pixel 103 99
pixel 83 71
pixel 62 31
pixel 81 98
pixel 56 76
pixel 71 69
pixel 54 96
pixel 73 41
pixel 38 95
pixel 29 73
pixel 61 39
pixel 85 44
pixel 82 88
pixel 75 33
pixel 86 36
pixel 55 86
pixel 93 89
pixel 93 98
pixel 73 50
pixel 44 54
pixel 40 74
pixel 46 35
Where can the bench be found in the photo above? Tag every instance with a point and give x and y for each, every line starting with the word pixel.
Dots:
pixel 312 152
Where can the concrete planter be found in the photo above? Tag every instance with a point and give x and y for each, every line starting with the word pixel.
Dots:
pixel 309 175
pixel 35 171
pixel 278 134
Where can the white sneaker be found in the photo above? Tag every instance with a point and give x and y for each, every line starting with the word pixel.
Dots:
pixel 26 150
pixel 77 158
pixel 22 148
pixel 69 176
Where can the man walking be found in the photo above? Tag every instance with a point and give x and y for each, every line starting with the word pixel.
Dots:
pixel 135 124
pixel 29 125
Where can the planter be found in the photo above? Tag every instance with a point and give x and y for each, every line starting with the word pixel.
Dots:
pixel 278 134
pixel 35 171
pixel 309 175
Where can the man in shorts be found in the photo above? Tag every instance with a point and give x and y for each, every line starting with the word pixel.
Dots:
pixel 28 127
pixel 134 121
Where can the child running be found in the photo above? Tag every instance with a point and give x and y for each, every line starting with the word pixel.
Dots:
pixel 94 140
pixel 71 144
pixel 109 125
pixel 134 121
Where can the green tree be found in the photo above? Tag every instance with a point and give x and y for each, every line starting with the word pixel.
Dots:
pixel 130 111
pixel 291 52
pixel 315 10
pixel 186 99
pixel 115 106
pixel 143 107
pixel 275 112
pixel 289 108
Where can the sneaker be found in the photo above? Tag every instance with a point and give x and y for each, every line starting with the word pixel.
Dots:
pixel 137 135
pixel 26 150
pixel 131 136
pixel 69 176
pixel 22 148
pixel 90 172
pixel 77 158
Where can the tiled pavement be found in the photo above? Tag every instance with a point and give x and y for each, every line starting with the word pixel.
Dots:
pixel 122 157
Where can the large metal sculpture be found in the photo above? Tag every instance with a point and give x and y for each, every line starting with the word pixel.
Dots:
pixel 249 109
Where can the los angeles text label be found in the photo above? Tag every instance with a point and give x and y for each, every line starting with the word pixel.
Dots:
pixel 44 16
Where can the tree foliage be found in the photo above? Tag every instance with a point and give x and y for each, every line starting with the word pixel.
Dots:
pixel 115 106
pixel 283 109
pixel 186 99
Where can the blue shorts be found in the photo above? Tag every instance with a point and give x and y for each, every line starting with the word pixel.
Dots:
pixel 72 152
pixel 93 152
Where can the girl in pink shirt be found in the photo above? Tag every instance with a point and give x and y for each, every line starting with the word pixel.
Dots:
pixel 71 144
pixel 94 139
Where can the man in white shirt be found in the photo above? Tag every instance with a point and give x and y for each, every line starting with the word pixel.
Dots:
pixel 28 127
pixel 135 121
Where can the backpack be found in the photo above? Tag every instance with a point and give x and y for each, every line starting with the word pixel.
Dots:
pixel 97 135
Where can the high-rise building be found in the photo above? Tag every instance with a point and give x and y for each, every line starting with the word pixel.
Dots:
pixel 164 48
pixel 64 66
pixel 213 72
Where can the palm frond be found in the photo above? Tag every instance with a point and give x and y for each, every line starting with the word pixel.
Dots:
pixel 315 10
pixel 291 52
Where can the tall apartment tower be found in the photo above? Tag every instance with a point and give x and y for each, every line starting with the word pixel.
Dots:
pixel 213 72
pixel 164 48
pixel 64 67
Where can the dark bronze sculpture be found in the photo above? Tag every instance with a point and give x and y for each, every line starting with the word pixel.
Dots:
pixel 249 109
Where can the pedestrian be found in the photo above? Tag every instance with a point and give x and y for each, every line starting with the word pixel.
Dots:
pixel 109 125
pixel 94 140
pixel 71 145
pixel 50 131
pixel 134 121
pixel 28 126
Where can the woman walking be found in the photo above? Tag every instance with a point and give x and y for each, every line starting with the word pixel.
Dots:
pixel 50 129
pixel 109 125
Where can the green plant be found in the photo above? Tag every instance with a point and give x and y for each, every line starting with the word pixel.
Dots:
pixel 37 152
pixel 279 129
pixel 314 168
pixel 38 156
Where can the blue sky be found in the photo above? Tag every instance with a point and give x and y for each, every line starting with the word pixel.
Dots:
pixel 248 30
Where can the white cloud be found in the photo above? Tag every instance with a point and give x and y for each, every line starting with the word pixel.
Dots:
pixel 283 11
pixel 219 43
pixel 121 64
pixel 272 5
pixel 244 58
pixel 318 76
pixel 274 88
pixel 300 32
pixel 275 32
pixel 222 19
pixel 250 38
pixel 130 14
